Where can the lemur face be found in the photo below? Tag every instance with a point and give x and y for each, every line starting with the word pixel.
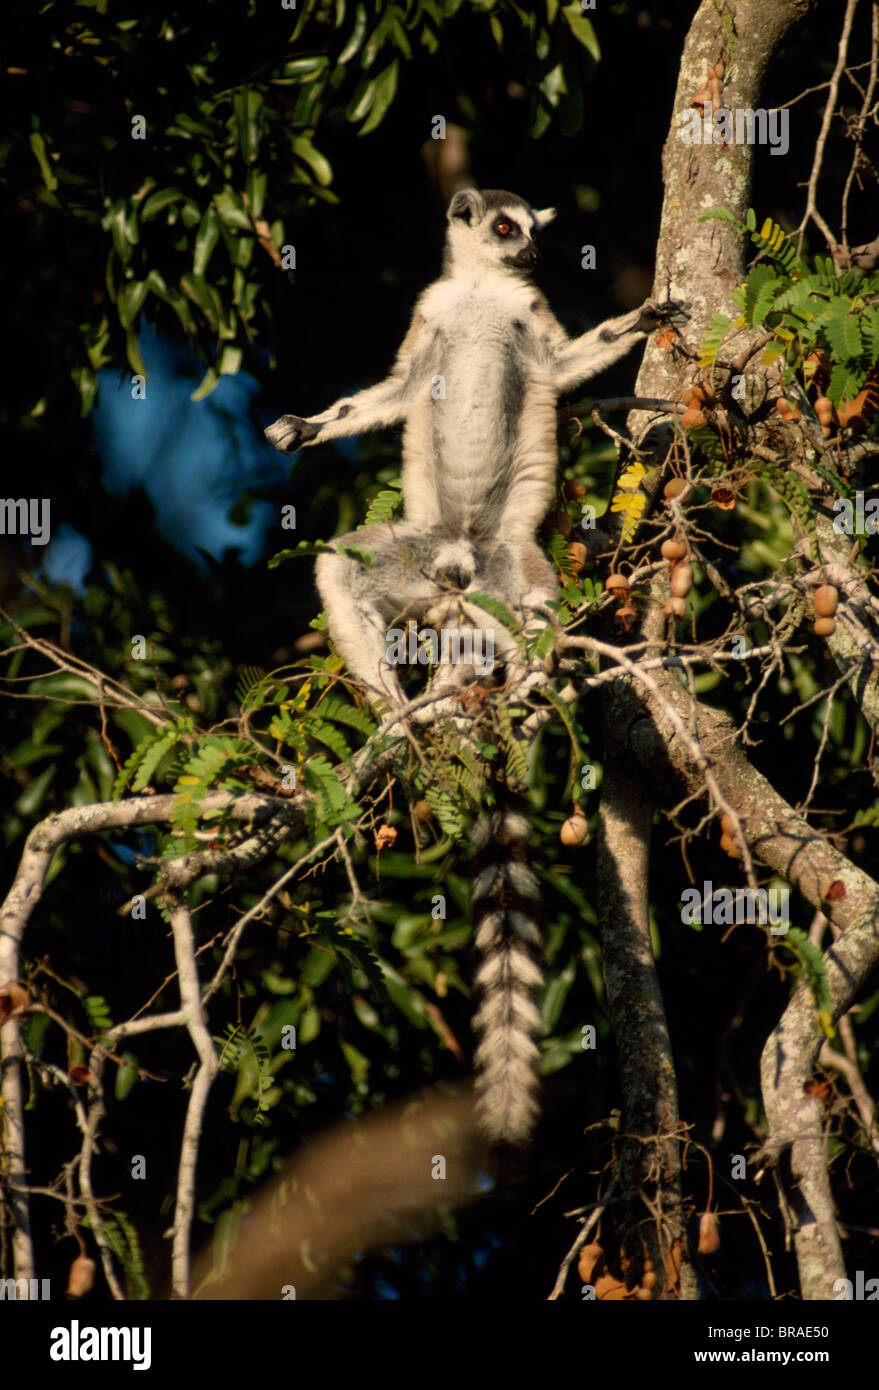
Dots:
pixel 494 228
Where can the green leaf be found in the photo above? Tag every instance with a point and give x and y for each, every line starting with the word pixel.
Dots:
pixel 378 36
pixel 385 91
pixel 230 360
pixel 495 608
pixel 318 163
pixel 358 33
pixel 38 145
pixel 556 994
pixel 844 384
pixel 126 1076
pixel 199 292
pixel 306 67
pixel 721 215
pixel 247 107
pixel 130 302
pixel 404 997
pixel 232 210
pixel 162 198
pixel 714 336
pixel 132 352
pixel 205 241
pixel 758 278
pixel 206 385
pixel 384 506
pixel 582 30
pixel 841 327
pixel 362 100
pixel 257 186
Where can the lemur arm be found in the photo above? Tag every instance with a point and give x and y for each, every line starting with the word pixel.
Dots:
pixel 384 404
pixel 575 360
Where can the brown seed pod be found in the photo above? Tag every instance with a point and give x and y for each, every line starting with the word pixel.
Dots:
pixel 724 498
pixel 422 810
pixel 577 554
pixel 693 418
pixel 12 997
pixel 826 600
pixel 591 1257
pixel 618 585
pixel 824 410
pixel 574 830
pixel 80 1277
pixel 818 367
pixel 709 1233
pixel 676 490
pixel 783 407
pixel 575 489
pixel 385 837
pixel 673 550
pixel 681 580
pixel 561 522
pixel 856 411
pixel 676 608
pixel 728 825
pixel 824 627
pixel 731 847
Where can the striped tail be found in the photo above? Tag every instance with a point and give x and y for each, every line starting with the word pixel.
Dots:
pixel 505 902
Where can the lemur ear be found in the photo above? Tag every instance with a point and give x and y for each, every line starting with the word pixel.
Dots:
pixel 467 205
pixel 544 217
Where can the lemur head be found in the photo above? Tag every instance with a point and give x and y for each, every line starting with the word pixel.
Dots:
pixel 493 229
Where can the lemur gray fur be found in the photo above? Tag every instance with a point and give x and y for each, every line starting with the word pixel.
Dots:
pixel 475 384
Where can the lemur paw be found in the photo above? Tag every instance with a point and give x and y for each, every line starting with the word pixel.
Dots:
pixel 290 432
pixel 654 313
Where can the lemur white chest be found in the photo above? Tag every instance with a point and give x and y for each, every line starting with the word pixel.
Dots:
pixel 487 349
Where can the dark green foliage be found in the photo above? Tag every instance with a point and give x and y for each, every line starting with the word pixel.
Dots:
pixel 805 310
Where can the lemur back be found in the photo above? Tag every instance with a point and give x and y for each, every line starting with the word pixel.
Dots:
pixel 475 384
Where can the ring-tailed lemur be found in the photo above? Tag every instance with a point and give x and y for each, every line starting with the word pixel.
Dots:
pixel 475 383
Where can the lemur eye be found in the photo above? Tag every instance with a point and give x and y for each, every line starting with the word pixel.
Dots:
pixel 503 229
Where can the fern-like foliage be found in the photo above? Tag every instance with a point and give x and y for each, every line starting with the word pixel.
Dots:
pixel 807 308
pixel 207 769
pixel 141 765
pixel 245 1053
pixel 385 505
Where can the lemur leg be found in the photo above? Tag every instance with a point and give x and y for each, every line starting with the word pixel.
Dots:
pixel 368 606
pixel 521 578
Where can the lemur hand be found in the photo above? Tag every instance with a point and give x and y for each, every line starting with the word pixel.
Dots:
pixel 654 313
pixel 290 432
